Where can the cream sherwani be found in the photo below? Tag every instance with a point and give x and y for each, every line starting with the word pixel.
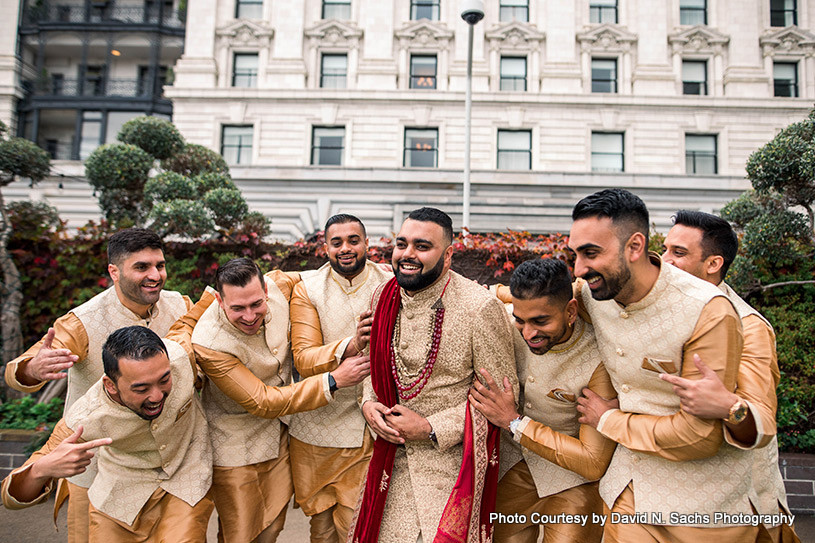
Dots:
pixel 150 468
pixel 561 458
pixel 669 462
pixel 756 384
pixel 83 331
pixel 247 377
pixel 475 335
pixel 330 448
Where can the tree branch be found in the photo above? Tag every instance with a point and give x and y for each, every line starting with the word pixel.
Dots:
pixel 764 288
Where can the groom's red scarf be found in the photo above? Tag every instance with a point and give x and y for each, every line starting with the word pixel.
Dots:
pixel 466 515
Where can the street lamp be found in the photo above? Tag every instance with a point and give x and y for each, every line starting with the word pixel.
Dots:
pixel 472 11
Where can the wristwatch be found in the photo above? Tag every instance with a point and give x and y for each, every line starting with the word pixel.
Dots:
pixel 332 384
pixel 738 412
pixel 513 425
pixel 432 436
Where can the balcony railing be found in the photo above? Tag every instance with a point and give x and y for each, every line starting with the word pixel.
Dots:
pixel 133 88
pixel 102 14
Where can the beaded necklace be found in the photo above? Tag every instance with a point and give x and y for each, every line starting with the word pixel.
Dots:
pixel 417 381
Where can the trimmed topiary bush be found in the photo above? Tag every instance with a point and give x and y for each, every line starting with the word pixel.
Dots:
pixel 158 137
pixel 227 206
pixel 194 159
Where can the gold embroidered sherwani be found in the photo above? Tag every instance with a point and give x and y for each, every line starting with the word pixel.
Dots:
pixel 756 383
pixel 561 458
pixel 475 334
pixel 152 480
pixel 329 447
pixel 83 331
pixel 669 461
pixel 243 398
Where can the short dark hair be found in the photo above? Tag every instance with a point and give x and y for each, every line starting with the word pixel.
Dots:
pixel 431 214
pixel 342 218
pixel 621 206
pixel 542 277
pixel 131 240
pixel 134 342
pixel 718 237
pixel 238 272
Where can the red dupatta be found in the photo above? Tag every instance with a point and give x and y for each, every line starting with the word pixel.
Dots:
pixel 477 482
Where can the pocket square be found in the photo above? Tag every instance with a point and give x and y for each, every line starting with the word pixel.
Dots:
pixel 561 395
pixel 658 365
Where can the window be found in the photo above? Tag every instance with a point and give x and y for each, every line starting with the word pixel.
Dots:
pixel 693 12
pixel 603 75
pixel 514 10
pixel 783 13
pixel 421 147
pixel 94 80
pixel 607 152
pixel 785 79
pixel 423 72
pixel 700 154
pixel 90 134
pixel 249 9
pixel 603 11
pixel 327 145
pixel 236 144
pixel 424 9
pixel 514 150
pixel 334 71
pixel 143 86
pixel 245 70
pixel 337 9
pixel 513 73
pixel 694 77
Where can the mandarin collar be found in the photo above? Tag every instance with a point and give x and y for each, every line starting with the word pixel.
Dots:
pixel 152 313
pixel 428 296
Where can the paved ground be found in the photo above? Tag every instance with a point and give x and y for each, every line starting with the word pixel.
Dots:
pixel 34 526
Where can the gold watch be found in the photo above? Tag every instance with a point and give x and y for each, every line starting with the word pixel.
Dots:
pixel 738 412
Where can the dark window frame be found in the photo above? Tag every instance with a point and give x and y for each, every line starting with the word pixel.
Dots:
pixel 599 12
pixel 240 147
pixel 692 156
pixel 512 152
pixel 434 150
pixel 416 80
pixel 418 6
pixel 693 11
pixel 325 77
pixel 246 4
pixel 781 14
pixel 511 81
pixel 510 12
pixel 621 154
pixel 612 83
pixel 316 156
pixel 783 88
pixel 251 75
pixel 688 87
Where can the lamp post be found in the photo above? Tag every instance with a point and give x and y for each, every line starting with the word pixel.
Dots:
pixel 472 11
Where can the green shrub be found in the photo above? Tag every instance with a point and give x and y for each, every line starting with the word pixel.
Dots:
pixel 33 220
pixel 118 166
pixel 26 414
pixel 195 159
pixel 168 186
pixel 189 218
pixel 227 206
pixel 23 158
pixel 158 137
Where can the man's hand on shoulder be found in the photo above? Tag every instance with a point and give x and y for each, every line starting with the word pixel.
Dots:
pixel 352 371
pixel 48 363
pixel 592 407
pixel 375 413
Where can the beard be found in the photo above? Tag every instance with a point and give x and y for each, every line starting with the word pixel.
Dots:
pixel 552 341
pixel 350 270
pixel 613 282
pixel 420 281
pixel 132 291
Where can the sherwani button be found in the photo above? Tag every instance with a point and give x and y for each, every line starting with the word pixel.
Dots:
pixel 274 351
pixel 162 447
pixel 529 405
pixel 623 315
pixel 403 345
pixel 531 379
pixel 625 388
pixel 154 427
pixel 620 352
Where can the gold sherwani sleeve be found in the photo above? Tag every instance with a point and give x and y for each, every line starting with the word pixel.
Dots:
pixel 181 330
pixel 590 453
pixel 241 385
pixel 285 281
pixel 756 382
pixel 61 431
pixel 69 333
pixel 717 339
pixel 310 356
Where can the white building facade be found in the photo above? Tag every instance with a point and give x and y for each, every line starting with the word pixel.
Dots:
pixel 326 106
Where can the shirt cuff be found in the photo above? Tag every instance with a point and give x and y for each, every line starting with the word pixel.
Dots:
pixel 14 503
pixel 519 430
pixel 728 437
pixel 603 419
pixel 327 387
pixel 14 382
pixel 341 349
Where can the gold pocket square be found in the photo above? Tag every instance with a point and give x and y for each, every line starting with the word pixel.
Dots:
pixel 561 395
pixel 184 409
pixel 658 365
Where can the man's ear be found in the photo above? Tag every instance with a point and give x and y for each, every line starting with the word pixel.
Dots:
pixel 713 265
pixel 110 386
pixel 636 246
pixel 448 255
pixel 113 271
pixel 571 311
pixel 218 297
